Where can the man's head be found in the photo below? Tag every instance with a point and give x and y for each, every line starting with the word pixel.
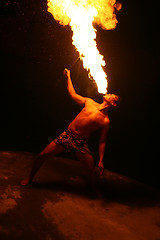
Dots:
pixel 111 99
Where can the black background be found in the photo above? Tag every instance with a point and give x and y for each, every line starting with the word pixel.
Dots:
pixel 35 105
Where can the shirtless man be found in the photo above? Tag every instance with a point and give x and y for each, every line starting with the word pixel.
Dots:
pixel 92 117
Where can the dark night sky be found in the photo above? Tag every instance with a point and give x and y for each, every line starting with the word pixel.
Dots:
pixel 35 105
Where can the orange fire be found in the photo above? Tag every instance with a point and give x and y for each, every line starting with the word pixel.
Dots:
pixel 81 15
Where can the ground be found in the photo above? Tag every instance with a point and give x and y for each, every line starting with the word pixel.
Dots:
pixel 59 204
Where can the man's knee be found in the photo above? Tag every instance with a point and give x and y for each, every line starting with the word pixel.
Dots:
pixel 52 149
pixel 43 153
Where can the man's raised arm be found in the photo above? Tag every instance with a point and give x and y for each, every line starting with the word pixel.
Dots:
pixel 76 97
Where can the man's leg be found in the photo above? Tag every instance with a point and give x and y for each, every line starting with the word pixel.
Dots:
pixel 87 161
pixel 51 150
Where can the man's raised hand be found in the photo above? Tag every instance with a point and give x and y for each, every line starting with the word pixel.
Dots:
pixel 66 73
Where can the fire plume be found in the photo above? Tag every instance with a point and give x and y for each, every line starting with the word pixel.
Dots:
pixel 81 15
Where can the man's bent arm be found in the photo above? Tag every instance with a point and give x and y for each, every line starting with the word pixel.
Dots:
pixel 76 97
pixel 102 146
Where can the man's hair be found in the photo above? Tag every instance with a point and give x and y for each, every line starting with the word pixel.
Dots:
pixel 115 100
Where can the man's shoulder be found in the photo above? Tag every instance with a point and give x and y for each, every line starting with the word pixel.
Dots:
pixel 89 100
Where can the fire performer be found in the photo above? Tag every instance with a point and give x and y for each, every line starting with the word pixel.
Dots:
pixel 92 117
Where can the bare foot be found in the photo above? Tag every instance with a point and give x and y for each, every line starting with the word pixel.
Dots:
pixel 26 182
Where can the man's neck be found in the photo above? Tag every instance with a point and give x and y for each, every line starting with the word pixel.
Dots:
pixel 103 107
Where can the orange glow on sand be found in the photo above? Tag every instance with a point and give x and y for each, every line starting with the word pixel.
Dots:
pixel 81 15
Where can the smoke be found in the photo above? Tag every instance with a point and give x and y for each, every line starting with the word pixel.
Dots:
pixel 105 16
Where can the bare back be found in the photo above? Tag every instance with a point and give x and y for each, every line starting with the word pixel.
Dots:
pixel 89 119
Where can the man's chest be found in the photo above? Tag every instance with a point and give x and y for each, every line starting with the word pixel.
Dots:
pixel 92 114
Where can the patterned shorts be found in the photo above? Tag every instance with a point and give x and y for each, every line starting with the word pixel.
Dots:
pixel 72 141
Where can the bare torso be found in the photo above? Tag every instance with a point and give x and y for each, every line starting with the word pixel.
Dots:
pixel 89 119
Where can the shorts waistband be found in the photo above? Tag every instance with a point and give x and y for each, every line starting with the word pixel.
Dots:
pixel 76 135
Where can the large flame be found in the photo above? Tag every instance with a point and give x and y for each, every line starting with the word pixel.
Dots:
pixel 80 15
